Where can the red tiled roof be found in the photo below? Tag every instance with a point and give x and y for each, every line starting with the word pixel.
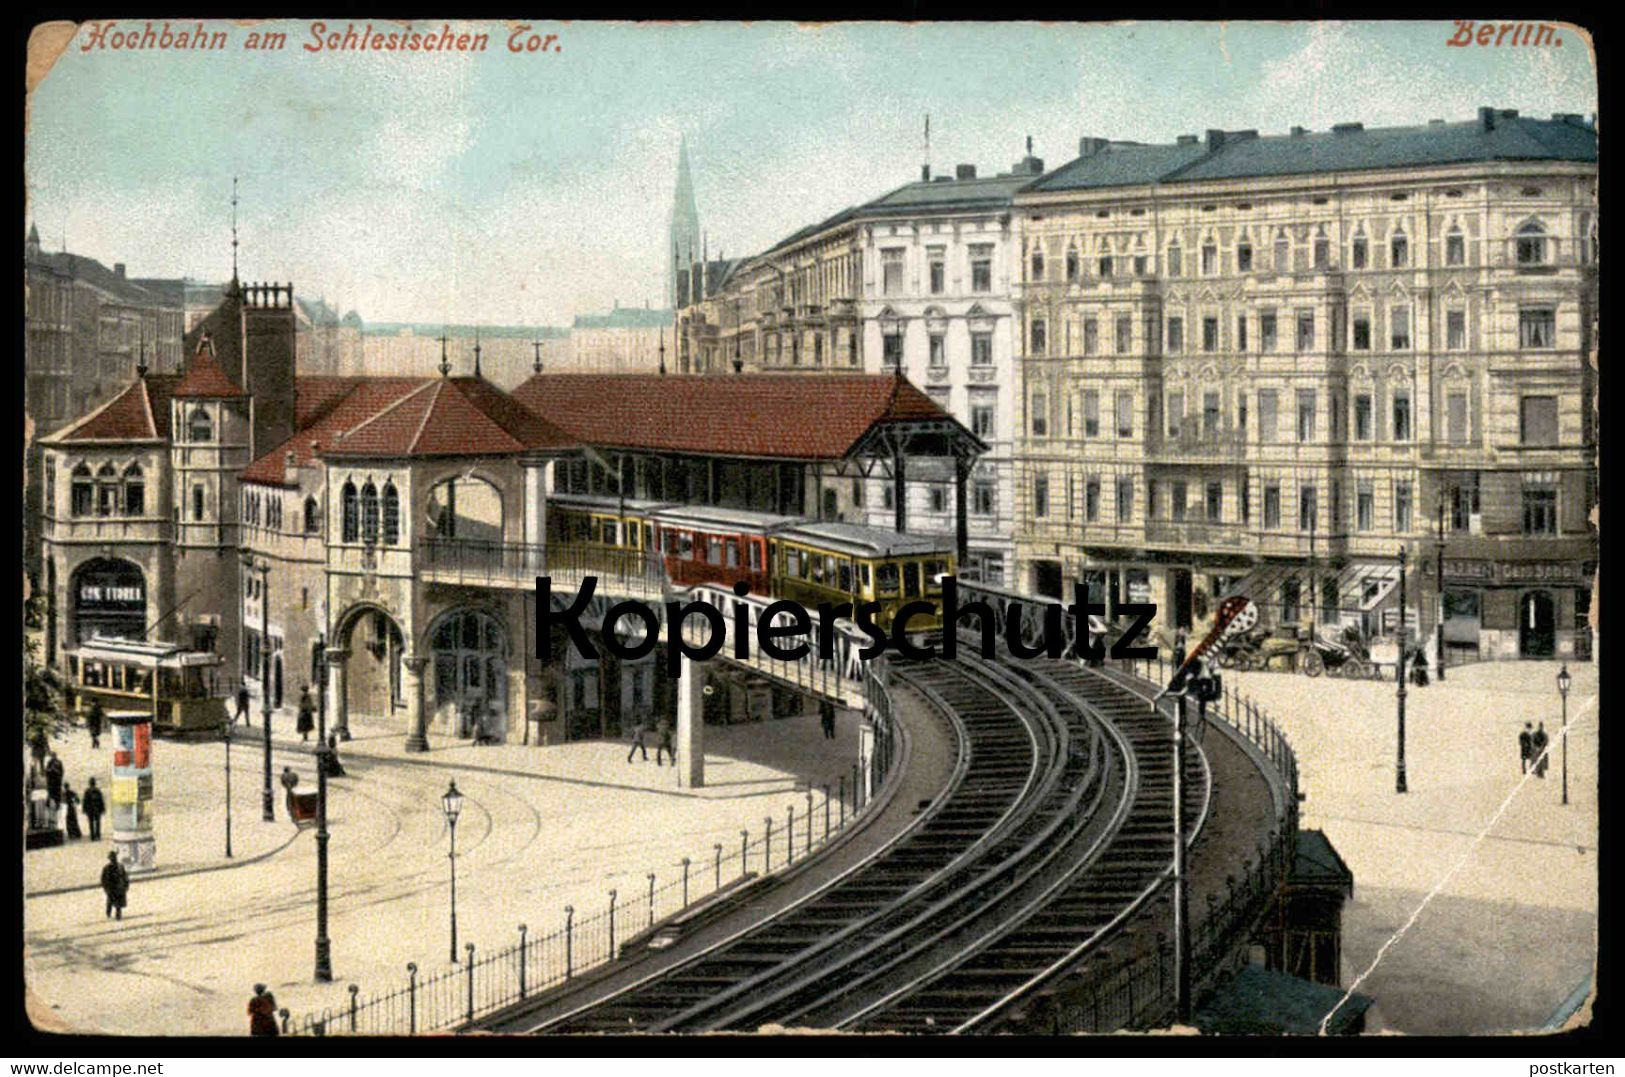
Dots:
pixel 326 406
pixel 793 416
pixel 139 413
pixel 205 377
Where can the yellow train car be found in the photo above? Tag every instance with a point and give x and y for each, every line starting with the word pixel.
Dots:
pixel 179 688
pixel 592 531
pixel 828 561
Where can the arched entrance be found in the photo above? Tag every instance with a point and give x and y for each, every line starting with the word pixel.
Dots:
pixel 1537 625
pixel 375 654
pixel 108 597
pixel 470 694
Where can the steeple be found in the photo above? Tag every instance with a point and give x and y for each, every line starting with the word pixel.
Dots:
pixel 685 216
pixel 32 246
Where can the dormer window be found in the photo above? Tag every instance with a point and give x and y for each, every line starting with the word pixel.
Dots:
pixel 1531 244
pixel 200 427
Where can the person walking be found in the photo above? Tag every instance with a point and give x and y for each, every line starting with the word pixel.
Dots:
pixel 53 779
pixel 95 722
pixel 1180 640
pixel 95 807
pixel 39 746
pixel 640 726
pixel 70 801
pixel 116 885
pixel 826 718
pixel 262 1013
pixel 1538 743
pixel 307 713
pixel 335 769
pixel 665 746
pixel 1526 746
pixel 242 707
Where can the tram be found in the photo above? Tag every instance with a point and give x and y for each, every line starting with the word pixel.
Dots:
pixel 706 544
pixel 601 533
pixel 830 561
pixel 179 688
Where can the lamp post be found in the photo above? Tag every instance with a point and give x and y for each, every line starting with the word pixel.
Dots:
pixel 1400 785
pixel 225 733
pixel 324 948
pixel 1438 578
pixel 1563 682
pixel 452 801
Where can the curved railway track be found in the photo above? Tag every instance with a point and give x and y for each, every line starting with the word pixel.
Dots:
pixel 1051 837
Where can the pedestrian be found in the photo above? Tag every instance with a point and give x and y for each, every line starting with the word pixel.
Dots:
pixel 1538 744
pixel 242 706
pixel 95 807
pixel 335 769
pixel 307 713
pixel 1180 640
pixel 70 800
pixel 39 746
pixel 640 726
pixel 262 1013
pixel 664 729
pixel 1419 668
pixel 1526 746
pixel 95 721
pixel 53 779
pixel 826 718
pixel 116 885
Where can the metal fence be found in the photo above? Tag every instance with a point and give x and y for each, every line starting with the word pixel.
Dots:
pixel 1104 993
pixel 486 980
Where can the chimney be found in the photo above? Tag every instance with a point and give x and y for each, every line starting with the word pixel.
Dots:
pixel 118 270
pixel 1509 113
pixel 1089 145
pixel 925 173
pixel 1486 118
pixel 964 172
pixel 1347 128
pixel 1215 139
pixel 1185 140
pixel 1299 132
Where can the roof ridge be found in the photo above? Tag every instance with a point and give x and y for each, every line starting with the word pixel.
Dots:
pixel 423 423
pixel 377 415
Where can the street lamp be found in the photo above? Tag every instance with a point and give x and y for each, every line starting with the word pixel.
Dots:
pixel 1400 785
pixel 452 801
pixel 225 733
pixel 1438 578
pixel 324 948
pixel 264 569
pixel 1563 682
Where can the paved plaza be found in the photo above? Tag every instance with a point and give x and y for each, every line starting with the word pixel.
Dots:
pixel 1511 934
pixel 542 828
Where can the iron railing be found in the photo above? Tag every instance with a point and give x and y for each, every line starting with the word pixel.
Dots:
pixel 519 563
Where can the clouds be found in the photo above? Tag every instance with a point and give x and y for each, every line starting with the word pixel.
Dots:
pixel 529 188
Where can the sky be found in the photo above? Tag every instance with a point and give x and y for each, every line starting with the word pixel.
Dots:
pixel 526 188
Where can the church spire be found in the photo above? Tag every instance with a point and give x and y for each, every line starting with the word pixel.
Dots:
pixel 685 216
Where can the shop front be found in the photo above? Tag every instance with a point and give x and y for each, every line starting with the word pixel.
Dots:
pixel 1517 609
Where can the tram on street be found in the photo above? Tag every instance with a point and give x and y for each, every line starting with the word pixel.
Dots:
pixel 831 561
pixel 179 688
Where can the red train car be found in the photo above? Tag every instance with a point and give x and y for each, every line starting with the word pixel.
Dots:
pixel 706 544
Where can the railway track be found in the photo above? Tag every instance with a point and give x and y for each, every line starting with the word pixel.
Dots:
pixel 1052 837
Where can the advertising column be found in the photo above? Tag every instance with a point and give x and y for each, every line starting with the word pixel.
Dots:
pixel 132 791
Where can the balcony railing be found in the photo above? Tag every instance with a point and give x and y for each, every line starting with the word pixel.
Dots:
pixel 1193 442
pixel 1193 533
pixel 517 564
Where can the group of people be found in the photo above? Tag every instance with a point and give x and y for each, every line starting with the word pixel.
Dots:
pixel 663 730
pixel 59 794
pixel 1532 749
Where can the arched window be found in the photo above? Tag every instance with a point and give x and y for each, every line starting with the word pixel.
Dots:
pixel 200 427
pixel 84 492
pixel 369 514
pixel 313 518
pixel 1531 245
pixel 392 515
pixel 135 491
pixel 351 512
pixel 107 499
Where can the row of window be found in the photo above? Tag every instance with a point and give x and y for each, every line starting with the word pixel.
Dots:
pixel 979 263
pixel 1539 504
pixel 1537 329
pixel 109 492
pixel 1537 416
pixel 1531 247
pixel 981 350
pixel 368 517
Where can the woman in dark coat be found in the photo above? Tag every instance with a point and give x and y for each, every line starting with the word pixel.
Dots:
pixel 307 714
pixel 262 1013
pixel 70 800
pixel 116 885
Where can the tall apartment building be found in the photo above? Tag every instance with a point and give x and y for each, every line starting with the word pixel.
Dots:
pixel 1267 364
